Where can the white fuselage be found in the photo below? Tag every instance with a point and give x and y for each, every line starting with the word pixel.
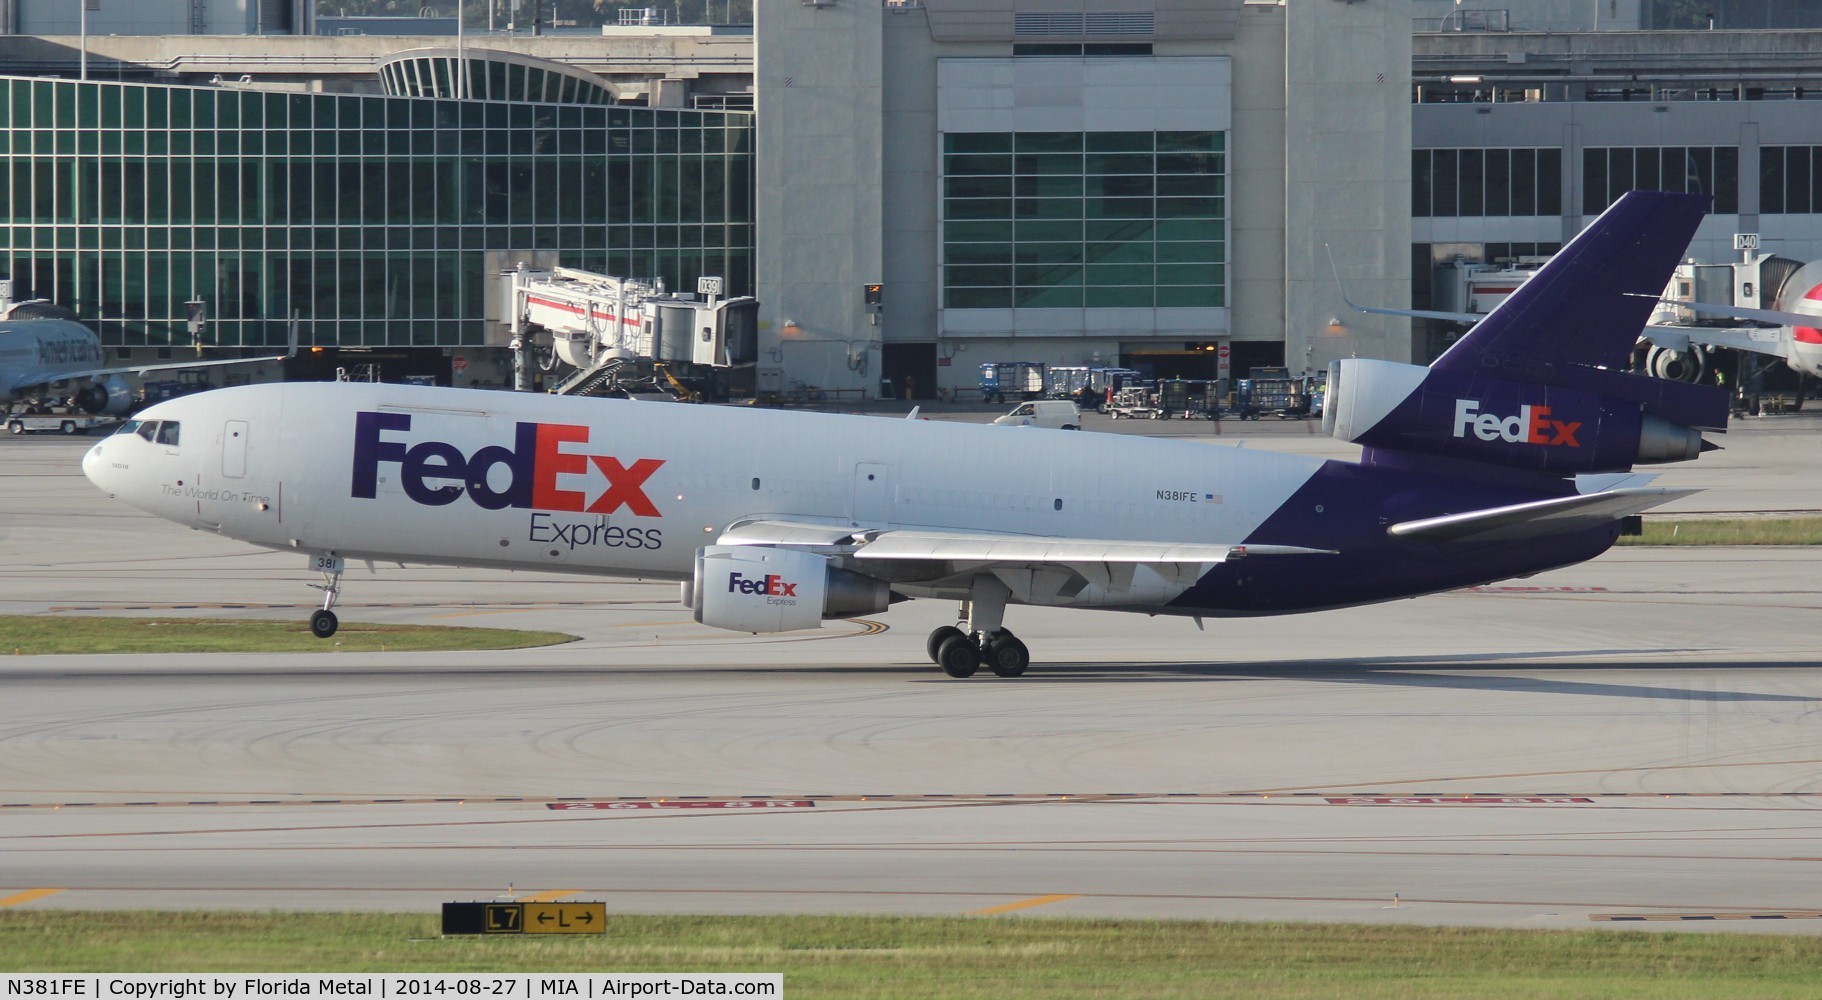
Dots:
pixel 635 488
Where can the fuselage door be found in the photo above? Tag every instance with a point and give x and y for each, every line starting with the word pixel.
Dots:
pixel 872 493
pixel 234 449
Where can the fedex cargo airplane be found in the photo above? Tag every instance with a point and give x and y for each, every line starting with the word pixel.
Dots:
pixel 1506 457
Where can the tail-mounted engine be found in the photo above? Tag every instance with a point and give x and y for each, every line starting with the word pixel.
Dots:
pixel 1567 420
pixel 111 397
pixel 757 588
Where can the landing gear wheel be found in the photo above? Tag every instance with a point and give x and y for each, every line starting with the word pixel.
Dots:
pixel 323 624
pixel 1007 656
pixel 937 638
pixel 958 656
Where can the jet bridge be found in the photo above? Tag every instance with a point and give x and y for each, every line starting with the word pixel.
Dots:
pixel 602 335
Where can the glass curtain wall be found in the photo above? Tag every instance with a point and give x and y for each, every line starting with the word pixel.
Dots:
pixel 369 216
pixel 1035 220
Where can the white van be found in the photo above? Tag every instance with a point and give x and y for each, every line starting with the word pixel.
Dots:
pixel 1056 414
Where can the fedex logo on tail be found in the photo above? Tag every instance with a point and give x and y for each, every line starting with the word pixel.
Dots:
pixel 1532 425
pixel 436 473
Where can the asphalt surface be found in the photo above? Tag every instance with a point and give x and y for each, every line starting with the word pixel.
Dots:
pixel 1637 737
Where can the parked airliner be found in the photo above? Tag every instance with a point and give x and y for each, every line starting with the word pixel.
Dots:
pixel 1505 457
pixel 44 351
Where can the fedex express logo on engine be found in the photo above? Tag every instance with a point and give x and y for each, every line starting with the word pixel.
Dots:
pixel 1532 425
pixel 436 473
pixel 771 585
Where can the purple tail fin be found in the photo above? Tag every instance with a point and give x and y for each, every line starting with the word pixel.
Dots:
pixel 1539 385
pixel 1588 304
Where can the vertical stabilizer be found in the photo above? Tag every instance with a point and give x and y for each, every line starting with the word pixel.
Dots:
pixel 1587 305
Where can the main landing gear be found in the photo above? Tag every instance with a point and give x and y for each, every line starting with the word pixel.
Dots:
pixel 323 623
pixel 961 651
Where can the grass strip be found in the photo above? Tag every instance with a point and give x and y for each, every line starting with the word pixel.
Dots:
pixel 955 957
pixel 33 635
pixel 1730 531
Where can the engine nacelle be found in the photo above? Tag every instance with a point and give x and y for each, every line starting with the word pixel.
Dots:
pixel 111 398
pixel 1677 366
pixel 757 588
pixel 1519 424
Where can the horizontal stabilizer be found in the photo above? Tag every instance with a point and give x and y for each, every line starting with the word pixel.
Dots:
pixel 1536 519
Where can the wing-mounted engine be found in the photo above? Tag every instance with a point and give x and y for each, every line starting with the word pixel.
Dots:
pixel 112 397
pixel 1564 421
pixel 759 588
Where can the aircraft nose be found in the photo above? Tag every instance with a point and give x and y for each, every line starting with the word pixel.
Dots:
pixel 95 467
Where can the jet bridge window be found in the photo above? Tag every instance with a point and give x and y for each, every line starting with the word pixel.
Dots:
pixel 168 431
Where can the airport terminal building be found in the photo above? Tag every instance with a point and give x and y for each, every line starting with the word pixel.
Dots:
pixel 379 221
pixel 1150 183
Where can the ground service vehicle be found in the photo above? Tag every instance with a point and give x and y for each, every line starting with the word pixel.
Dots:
pixel 1056 414
pixel 1003 380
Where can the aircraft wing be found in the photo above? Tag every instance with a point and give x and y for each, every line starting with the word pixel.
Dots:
pixel 1537 518
pixel 36 377
pixel 1755 339
pixel 32 378
pixel 1024 550
pixel 991 548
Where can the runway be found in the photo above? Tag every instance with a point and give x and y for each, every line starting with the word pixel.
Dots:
pixel 1633 742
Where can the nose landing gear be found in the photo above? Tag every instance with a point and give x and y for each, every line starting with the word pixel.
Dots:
pixel 323 623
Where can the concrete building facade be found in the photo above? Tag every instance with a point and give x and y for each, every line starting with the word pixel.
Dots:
pixel 1108 182
pixel 1520 138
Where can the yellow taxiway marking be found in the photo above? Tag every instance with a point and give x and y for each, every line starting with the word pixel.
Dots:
pixel 547 896
pixel 27 896
pixel 1023 904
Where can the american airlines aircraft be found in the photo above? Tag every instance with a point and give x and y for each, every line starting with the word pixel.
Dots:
pixel 1505 457
pixel 44 351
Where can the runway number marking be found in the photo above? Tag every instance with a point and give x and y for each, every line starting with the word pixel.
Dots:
pixel 734 804
pixel 27 896
pixel 1024 904
pixel 1450 800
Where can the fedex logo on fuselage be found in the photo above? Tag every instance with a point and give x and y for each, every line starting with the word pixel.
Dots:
pixel 771 585
pixel 1532 425
pixel 436 473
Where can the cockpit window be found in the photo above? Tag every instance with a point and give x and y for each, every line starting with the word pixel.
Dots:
pixel 167 432
pixel 148 429
pixel 128 427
